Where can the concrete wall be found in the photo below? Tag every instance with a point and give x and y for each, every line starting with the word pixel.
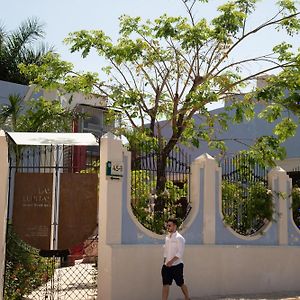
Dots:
pixel 218 261
pixel 3 202
pixel 209 270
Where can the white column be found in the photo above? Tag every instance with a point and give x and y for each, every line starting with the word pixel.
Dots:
pixel 110 192
pixel 278 183
pixel 4 167
pixel 209 168
pixel 109 214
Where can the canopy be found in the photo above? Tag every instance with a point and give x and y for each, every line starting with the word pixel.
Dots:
pixel 50 138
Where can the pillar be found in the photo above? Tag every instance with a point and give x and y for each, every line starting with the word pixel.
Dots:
pixel 205 179
pixel 278 180
pixel 109 211
pixel 4 169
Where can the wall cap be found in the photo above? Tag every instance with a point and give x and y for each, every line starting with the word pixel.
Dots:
pixel 110 136
pixel 204 157
pixel 277 169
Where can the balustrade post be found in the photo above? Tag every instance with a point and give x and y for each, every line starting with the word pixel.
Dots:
pixel 279 182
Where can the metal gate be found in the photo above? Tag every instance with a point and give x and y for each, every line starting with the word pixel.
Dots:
pixel 52 222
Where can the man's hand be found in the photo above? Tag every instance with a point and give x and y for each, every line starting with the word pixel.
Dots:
pixel 169 263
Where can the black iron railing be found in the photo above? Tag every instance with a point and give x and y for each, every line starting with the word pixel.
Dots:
pixel 43 159
pixel 246 201
pixel 295 176
pixel 151 206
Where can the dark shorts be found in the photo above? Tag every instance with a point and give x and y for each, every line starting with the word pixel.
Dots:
pixel 170 273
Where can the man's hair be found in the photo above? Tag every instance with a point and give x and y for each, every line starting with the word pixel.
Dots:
pixel 173 220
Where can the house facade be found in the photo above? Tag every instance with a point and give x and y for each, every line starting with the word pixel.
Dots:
pixel 241 136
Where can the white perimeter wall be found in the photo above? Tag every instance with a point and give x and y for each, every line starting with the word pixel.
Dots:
pixel 3 203
pixel 217 260
pixel 209 270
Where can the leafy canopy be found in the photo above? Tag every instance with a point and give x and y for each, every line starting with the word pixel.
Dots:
pixel 170 68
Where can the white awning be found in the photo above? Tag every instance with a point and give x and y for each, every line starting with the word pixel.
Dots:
pixel 50 138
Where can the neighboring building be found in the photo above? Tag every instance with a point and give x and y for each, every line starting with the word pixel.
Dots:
pixel 94 107
pixel 239 136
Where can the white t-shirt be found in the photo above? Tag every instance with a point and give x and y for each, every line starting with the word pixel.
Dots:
pixel 174 246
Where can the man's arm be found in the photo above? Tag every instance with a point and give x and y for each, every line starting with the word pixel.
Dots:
pixel 179 253
pixel 170 262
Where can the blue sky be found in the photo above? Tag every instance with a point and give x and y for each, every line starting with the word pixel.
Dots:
pixel 64 16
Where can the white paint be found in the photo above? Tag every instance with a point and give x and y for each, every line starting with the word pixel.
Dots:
pixel 3 203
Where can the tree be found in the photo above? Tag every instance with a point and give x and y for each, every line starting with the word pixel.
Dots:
pixel 171 68
pixel 9 113
pixel 35 115
pixel 18 47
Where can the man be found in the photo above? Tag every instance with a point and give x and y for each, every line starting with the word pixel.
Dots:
pixel 173 264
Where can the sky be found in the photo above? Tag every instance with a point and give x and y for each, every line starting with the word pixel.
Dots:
pixel 63 16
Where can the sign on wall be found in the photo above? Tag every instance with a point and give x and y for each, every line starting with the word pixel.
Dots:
pixel 114 168
pixel 32 208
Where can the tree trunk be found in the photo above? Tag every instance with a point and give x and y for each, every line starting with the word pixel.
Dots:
pixel 161 180
pixel 162 160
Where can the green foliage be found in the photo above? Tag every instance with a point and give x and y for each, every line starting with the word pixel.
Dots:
pixel 296 205
pixel 9 114
pixel 19 46
pixel 25 270
pixel 45 116
pixel 93 168
pixel 281 95
pixel 271 113
pixel 246 208
pixel 229 22
pixel 285 129
pixel 144 200
pixel 36 115
pixel 171 67
pixel 266 150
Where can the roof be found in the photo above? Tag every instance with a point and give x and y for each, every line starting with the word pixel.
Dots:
pixel 51 138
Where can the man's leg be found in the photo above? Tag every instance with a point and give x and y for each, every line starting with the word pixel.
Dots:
pixel 165 292
pixel 185 292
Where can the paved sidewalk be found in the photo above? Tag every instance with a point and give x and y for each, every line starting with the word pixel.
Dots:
pixel 273 296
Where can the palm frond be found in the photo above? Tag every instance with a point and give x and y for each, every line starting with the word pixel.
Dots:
pixel 20 46
pixel 29 31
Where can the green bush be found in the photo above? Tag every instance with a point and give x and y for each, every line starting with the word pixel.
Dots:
pixel 25 270
pixel 296 205
pixel 143 199
pixel 246 208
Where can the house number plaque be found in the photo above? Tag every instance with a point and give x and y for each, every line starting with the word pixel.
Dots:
pixel 114 168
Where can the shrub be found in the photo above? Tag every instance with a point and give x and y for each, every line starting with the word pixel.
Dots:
pixel 144 198
pixel 296 205
pixel 246 208
pixel 25 270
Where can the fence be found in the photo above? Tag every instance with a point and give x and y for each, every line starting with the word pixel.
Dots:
pixel 246 202
pixel 152 209
pixel 295 176
pixel 43 159
pixel 37 175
